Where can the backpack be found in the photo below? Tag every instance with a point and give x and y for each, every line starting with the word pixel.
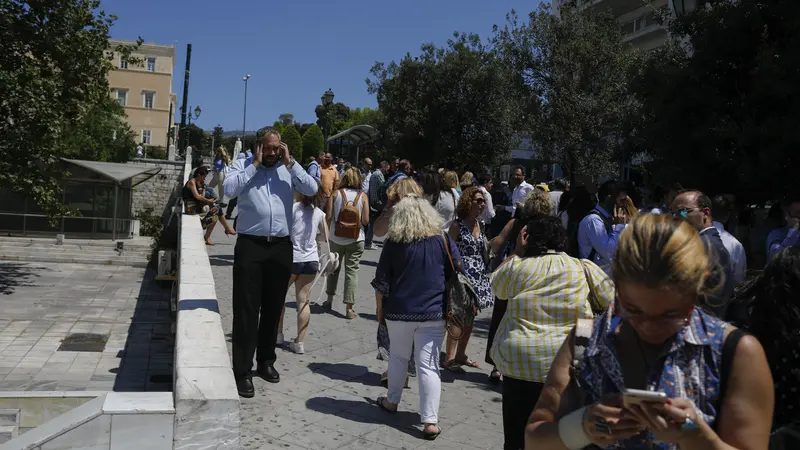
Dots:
pixel 348 223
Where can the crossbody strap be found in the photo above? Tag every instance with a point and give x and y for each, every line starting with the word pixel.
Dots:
pixel 447 249
pixel 726 366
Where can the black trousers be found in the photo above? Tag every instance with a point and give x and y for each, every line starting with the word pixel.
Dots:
pixel 519 398
pixel 261 272
pixel 231 204
pixel 498 312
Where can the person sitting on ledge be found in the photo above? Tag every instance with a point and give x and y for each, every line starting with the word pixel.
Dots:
pixel 195 202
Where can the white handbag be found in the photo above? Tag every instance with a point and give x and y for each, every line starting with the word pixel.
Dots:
pixel 328 261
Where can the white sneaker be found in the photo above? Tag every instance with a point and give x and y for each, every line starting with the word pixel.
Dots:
pixel 297 347
pixel 279 341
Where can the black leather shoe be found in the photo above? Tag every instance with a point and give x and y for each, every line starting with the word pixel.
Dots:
pixel 245 386
pixel 268 372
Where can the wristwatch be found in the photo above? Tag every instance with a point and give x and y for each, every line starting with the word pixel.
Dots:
pixel 291 163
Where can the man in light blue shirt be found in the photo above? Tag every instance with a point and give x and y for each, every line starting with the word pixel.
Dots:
pixel 788 236
pixel 598 232
pixel 262 259
pixel 313 167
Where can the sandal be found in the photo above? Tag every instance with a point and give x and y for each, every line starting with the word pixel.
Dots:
pixel 467 362
pixel 453 366
pixel 381 402
pixel 230 233
pixel 428 436
pixel 494 376
pixel 350 314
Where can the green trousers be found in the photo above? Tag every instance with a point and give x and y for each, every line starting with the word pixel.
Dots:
pixel 349 258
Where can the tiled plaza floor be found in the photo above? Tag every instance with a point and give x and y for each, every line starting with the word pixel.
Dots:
pixel 43 303
pixel 326 397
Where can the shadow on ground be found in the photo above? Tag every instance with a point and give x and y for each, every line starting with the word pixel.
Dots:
pixel 13 275
pixel 147 360
pixel 403 421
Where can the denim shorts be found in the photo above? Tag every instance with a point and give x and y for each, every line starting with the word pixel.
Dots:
pixel 305 268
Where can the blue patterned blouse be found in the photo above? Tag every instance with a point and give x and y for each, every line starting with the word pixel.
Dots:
pixel 690 369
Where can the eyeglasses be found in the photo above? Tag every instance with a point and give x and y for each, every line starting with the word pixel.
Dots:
pixel 683 212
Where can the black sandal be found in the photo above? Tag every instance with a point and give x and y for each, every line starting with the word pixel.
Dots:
pixel 494 377
pixel 381 403
pixel 453 366
pixel 428 436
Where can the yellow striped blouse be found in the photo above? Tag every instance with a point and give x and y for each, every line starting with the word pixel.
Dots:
pixel 546 296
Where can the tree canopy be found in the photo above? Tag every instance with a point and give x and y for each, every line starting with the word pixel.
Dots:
pixel 55 94
pixel 293 140
pixel 450 105
pixel 720 103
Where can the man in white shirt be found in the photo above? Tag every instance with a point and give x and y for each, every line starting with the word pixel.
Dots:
pixel 598 232
pixel 521 189
pixel 485 185
pixel 722 211
pixel 139 151
pixel 366 173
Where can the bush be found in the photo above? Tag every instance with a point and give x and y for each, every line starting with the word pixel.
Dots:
pixel 313 141
pixel 293 140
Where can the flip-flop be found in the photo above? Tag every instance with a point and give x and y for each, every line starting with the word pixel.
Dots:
pixel 494 377
pixel 381 403
pixel 467 362
pixel 428 436
pixel 453 366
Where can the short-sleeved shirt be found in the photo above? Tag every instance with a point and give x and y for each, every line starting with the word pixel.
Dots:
pixel 546 296
pixel 304 232
pixel 328 178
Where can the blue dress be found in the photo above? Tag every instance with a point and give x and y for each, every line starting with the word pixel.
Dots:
pixel 689 368
pixel 472 265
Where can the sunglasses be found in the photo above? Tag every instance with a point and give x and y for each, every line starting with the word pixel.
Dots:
pixel 683 212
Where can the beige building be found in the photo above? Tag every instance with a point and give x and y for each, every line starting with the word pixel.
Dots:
pixel 145 90
pixel 638 19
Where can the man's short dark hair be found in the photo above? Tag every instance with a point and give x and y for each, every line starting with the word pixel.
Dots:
pixel 384 164
pixel 702 200
pixel 560 184
pixel 522 168
pixel 201 171
pixel 403 165
pixel 721 207
pixel 484 179
pixel 608 189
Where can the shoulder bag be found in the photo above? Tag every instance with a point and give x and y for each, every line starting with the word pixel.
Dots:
pixel 462 300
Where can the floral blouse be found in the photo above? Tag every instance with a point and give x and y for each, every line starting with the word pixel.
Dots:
pixel 689 368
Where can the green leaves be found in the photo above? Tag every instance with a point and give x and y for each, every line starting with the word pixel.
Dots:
pixel 313 141
pixel 293 140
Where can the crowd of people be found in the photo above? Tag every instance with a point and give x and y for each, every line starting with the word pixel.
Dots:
pixel 621 317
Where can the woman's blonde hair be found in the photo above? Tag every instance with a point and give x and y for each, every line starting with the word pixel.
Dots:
pixel 450 179
pixel 403 188
pixel 351 179
pixel 467 179
pixel 630 209
pixel 413 218
pixel 537 203
pixel 662 251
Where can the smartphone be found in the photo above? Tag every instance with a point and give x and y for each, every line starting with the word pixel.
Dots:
pixel 638 396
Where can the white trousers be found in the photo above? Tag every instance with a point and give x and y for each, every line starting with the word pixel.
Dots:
pixel 426 339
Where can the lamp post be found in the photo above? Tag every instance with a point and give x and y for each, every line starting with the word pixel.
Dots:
pixel 190 118
pixel 244 120
pixel 327 101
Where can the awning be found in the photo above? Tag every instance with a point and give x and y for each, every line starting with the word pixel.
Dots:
pixel 359 134
pixel 117 172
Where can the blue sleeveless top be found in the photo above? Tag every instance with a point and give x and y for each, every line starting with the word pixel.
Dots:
pixel 689 368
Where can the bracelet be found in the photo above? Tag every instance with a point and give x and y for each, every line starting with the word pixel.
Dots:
pixel 570 430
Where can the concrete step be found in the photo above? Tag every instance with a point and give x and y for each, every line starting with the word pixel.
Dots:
pixel 9 423
pixel 130 262
pixel 69 245
pixel 83 251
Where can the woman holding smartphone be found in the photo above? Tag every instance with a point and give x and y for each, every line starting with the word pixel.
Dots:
pixel 716 382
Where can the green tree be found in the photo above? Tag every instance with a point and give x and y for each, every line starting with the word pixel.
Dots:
pixel 452 105
pixel 336 118
pixel 720 102
pixel 365 116
pixel 197 137
pixel 293 140
pixel 53 77
pixel 103 135
pixel 313 141
pixel 278 125
pixel 573 75
pixel 286 119
pixel 217 138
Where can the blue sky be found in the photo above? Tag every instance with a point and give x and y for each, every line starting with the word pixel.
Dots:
pixel 293 50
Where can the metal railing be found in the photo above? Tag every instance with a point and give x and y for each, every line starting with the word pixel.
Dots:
pixel 25 223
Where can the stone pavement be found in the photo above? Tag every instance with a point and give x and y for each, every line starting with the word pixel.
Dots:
pixel 44 303
pixel 326 397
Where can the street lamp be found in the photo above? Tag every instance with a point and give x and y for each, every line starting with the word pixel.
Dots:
pixel 327 101
pixel 244 121
pixel 197 112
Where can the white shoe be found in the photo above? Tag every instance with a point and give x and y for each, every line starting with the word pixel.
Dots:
pixel 297 347
pixel 279 341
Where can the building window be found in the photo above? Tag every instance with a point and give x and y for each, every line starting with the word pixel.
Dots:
pixel 148 98
pixel 122 97
pixel 639 24
pixel 146 137
pixel 151 64
pixel 123 62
